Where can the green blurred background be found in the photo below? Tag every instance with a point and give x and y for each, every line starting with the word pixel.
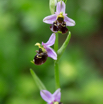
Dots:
pixel 81 66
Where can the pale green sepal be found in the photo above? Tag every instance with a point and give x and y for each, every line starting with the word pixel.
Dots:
pixel 65 1
pixel 52 4
pixel 59 0
pixel 37 80
pixel 63 47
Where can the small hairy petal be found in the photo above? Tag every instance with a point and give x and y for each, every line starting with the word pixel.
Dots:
pixel 69 21
pixel 60 7
pixel 50 19
pixel 51 53
pixel 51 40
pixel 46 95
pixel 57 95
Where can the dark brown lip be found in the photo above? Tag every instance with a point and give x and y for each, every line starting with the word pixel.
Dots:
pixel 59 26
pixel 40 57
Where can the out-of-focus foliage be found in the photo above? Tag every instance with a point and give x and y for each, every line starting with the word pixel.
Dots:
pixel 81 66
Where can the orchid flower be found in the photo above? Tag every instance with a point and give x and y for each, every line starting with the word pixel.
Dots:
pixel 59 20
pixel 51 98
pixel 45 51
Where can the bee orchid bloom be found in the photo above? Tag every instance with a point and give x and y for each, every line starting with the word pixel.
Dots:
pixel 50 52
pixel 59 20
pixel 51 98
pixel 45 51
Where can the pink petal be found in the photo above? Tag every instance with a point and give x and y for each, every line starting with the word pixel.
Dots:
pixel 69 21
pixel 60 7
pixel 57 95
pixel 50 19
pixel 51 53
pixel 46 95
pixel 51 40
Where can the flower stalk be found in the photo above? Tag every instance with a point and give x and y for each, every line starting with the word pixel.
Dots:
pixel 63 47
pixel 56 68
pixel 59 54
pixel 56 43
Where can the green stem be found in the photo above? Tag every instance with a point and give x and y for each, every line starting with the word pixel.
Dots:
pixel 63 47
pixel 56 68
pixel 56 43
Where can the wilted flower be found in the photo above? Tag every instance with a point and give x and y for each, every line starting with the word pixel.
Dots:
pixel 59 20
pixel 51 98
pixel 45 51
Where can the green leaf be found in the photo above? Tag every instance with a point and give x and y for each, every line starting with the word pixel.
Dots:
pixel 63 47
pixel 37 80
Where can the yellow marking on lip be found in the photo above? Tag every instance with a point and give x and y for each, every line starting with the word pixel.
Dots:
pixel 55 24
pixel 39 57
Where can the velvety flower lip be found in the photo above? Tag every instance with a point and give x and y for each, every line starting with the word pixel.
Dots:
pixel 40 57
pixel 59 9
pixel 51 98
pixel 50 52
